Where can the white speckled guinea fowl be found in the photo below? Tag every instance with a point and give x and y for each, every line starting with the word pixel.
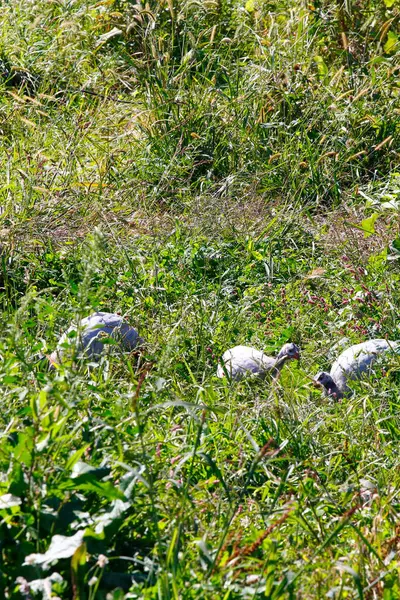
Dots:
pixel 242 360
pixel 91 333
pixel 353 363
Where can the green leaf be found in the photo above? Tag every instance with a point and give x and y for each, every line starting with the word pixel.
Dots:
pixel 42 400
pixel 8 379
pixel 391 42
pixel 217 472
pixel 104 489
pixel 34 408
pixel 75 457
pixel 250 6
pixel 377 261
pixel 205 553
pixel 396 245
pixel 18 484
pixel 390 3
pixel 321 66
pixel 367 225
pixel 87 478
pixel 23 451
pixel 78 561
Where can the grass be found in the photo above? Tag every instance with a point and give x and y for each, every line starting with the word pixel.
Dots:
pixel 222 172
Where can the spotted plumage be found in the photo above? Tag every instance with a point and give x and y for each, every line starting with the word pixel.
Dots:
pixel 88 337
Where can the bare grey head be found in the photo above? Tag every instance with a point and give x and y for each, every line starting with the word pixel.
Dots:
pixel 288 351
pixel 324 380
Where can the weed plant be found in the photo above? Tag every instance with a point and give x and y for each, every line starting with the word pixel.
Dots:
pixel 222 172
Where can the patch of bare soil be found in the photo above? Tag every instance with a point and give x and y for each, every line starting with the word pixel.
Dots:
pixel 341 229
pixel 225 213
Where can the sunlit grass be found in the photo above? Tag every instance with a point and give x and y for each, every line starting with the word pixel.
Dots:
pixel 222 173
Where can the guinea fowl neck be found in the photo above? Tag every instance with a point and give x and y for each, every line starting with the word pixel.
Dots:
pixel 280 361
pixel 333 390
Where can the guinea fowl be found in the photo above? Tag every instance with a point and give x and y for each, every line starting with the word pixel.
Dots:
pixel 242 360
pixel 352 364
pixel 89 335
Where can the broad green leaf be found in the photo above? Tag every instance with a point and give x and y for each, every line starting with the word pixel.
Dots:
pixel 23 452
pixel 8 379
pixel 87 478
pixel 391 205
pixel 18 483
pixel 34 408
pixel 104 489
pixel 391 42
pixel 130 479
pixel 396 245
pixel 250 6
pixel 377 261
pixel 321 66
pixel 215 469
pixel 77 562
pixel 42 400
pixel 75 457
pixel 390 3
pixel 368 225
pixel 149 301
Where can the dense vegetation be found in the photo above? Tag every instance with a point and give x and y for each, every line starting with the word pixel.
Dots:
pixel 223 172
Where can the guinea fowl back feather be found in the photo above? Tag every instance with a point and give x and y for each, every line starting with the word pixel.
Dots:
pixel 242 360
pixel 91 333
pixel 353 363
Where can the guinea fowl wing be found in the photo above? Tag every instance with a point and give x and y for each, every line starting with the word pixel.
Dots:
pixel 107 325
pixel 359 359
pixel 243 359
pixel 90 332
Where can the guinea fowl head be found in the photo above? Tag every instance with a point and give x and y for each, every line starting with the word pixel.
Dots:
pixel 289 351
pixel 324 380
